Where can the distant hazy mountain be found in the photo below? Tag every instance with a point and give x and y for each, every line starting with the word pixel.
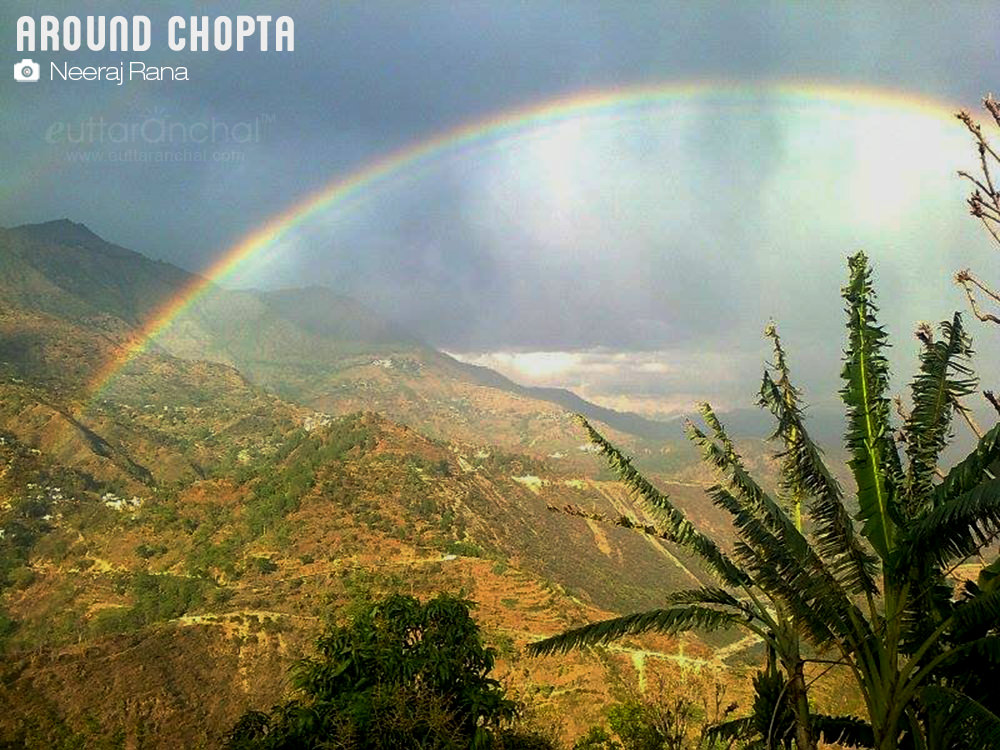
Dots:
pixel 310 345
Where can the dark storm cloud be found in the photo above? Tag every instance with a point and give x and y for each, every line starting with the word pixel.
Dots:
pixel 370 77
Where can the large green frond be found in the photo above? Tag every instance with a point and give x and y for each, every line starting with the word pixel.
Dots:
pixel 927 606
pixel 630 523
pixel 964 718
pixel 989 577
pixel 734 729
pixel 743 486
pixel 982 610
pixel 958 528
pixel 669 621
pixel 836 541
pixel 718 431
pixel 681 530
pixel 944 378
pixel 776 553
pixel 844 731
pixel 874 459
pixel 780 390
pixel 796 605
pixel 803 586
pixel 746 495
pixel 971 470
pixel 707 595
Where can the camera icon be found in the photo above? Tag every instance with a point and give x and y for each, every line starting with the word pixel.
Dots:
pixel 26 71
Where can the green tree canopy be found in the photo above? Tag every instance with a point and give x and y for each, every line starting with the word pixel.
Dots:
pixel 401 673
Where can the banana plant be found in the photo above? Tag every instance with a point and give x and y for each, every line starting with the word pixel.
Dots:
pixel 870 582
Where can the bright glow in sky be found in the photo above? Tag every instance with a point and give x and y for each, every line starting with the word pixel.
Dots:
pixel 675 232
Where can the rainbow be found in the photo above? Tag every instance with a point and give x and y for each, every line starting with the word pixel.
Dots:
pixel 497 130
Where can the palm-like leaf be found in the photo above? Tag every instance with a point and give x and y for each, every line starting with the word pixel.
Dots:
pixel 962 716
pixel 928 605
pixel 869 437
pixel 765 525
pixel 680 529
pixel 989 577
pixel 957 528
pixel 849 560
pixel 706 595
pixel 734 729
pixel 921 634
pixel 979 611
pixel 718 431
pixel 669 621
pixel 780 559
pixel 943 379
pixel 845 731
pixel 783 576
pixel 780 389
pixel 971 470
pixel 750 494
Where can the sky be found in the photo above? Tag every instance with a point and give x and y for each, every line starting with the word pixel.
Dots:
pixel 634 255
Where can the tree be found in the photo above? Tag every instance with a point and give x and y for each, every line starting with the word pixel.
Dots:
pixel 400 674
pixel 663 715
pixel 984 204
pixel 871 588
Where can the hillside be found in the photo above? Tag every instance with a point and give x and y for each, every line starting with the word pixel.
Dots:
pixel 235 567
pixel 234 572
pixel 277 458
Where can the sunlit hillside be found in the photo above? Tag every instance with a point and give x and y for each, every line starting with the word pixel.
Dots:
pixel 231 487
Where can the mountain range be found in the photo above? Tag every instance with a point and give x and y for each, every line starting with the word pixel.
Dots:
pixel 303 344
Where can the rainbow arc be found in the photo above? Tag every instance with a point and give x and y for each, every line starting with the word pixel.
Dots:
pixel 495 131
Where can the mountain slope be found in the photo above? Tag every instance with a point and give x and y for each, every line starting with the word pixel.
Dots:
pixel 131 608
pixel 64 269
pixel 308 345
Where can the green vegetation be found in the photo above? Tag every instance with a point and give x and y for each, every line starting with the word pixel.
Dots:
pixel 35 492
pixel 279 491
pixel 666 715
pixel 156 598
pixel 147 551
pixel 264 565
pixel 275 485
pixel 7 628
pixel 630 727
pixel 871 592
pixel 463 548
pixel 399 674
pixel 54 734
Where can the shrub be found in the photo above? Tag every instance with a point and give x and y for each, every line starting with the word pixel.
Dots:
pixel 146 551
pixel 264 565
pixel 463 549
